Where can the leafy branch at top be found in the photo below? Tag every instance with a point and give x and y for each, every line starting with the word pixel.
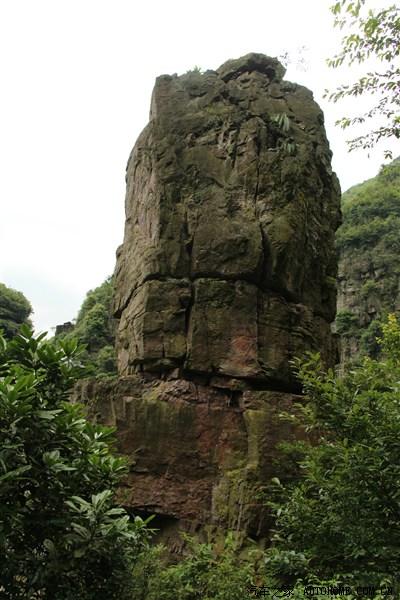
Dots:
pixel 373 33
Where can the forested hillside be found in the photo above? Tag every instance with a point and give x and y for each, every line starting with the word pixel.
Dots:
pixel 368 243
pixel 95 328
pixel 15 309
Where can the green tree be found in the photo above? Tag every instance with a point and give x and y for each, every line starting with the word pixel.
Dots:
pixel 341 518
pixel 95 328
pixel 60 535
pixel 373 33
pixel 347 323
pixel 15 309
pixel 207 571
pixel 368 244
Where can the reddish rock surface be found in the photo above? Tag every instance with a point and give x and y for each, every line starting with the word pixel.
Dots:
pixel 196 453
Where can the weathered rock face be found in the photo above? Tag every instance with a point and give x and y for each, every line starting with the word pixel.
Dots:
pixel 227 267
pixel 195 453
pixel 226 272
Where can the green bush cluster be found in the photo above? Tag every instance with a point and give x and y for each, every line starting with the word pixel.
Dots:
pixel 347 323
pixel 15 310
pixel 371 212
pixel 61 537
pixel 339 521
pixel 368 244
pixel 205 572
pixel 95 328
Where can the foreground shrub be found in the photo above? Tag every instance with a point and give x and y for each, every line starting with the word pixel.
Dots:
pixel 206 572
pixel 339 519
pixel 60 535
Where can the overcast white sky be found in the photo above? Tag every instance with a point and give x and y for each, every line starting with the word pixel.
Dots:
pixel 76 78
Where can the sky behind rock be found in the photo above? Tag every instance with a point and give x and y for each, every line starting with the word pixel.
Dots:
pixel 76 79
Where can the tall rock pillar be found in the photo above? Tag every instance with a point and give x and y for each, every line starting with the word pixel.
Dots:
pixel 227 269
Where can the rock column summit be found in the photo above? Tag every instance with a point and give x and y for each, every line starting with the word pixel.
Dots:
pixel 227 269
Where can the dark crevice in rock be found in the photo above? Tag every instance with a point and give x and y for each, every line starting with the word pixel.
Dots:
pixel 217 276
pixel 189 311
pixel 275 385
pixel 228 386
pixel 278 290
pixel 266 268
pixel 158 277
pixel 257 183
pixel 117 312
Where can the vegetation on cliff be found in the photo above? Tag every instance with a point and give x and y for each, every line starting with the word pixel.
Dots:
pixel 95 329
pixel 340 518
pixel 369 260
pixel 216 571
pixel 15 309
pixel 60 535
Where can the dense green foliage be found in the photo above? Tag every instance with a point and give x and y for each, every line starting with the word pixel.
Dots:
pixel 207 571
pixel 368 243
pixel 60 535
pixel 371 212
pixel 95 328
pixel 372 33
pixel 340 518
pixel 15 309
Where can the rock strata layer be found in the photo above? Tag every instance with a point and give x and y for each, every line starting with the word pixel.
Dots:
pixel 227 269
pixel 196 454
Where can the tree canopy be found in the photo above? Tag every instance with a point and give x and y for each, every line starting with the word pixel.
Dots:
pixel 337 517
pixel 61 537
pixel 369 258
pixel 15 309
pixel 372 33
pixel 95 327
